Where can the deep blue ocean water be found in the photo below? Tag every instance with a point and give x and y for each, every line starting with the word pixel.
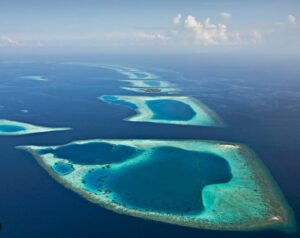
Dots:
pixel 258 98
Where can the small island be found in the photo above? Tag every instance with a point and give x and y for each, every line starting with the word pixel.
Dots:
pixel 148 83
pixel 152 90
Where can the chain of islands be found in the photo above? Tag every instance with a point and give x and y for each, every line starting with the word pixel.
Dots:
pixel 195 183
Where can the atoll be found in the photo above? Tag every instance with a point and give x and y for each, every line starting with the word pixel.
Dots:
pixel 9 128
pixel 202 184
pixel 179 110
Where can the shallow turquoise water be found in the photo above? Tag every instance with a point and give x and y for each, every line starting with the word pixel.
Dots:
pixel 115 100
pixel 62 168
pixel 139 75
pixel 11 128
pixel 170 181
pixel 93 153
pixel 152 83
pixel 167 109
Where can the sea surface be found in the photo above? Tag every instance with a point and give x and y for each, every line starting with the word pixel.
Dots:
pixel 258 98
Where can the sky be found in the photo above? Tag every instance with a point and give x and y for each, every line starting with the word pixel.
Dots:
pixel 153 26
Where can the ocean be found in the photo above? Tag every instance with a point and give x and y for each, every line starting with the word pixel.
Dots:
pixel 259 100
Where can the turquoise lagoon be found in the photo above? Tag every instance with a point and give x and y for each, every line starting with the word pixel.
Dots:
pixel 8 127
pixel 62 168
pixel 179 110
pixel 202 184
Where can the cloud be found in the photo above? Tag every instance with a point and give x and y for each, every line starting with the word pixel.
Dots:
pixel 248 38
pixel 177 19
pixel 206 33
pixel 6 41
pixel 291 19
pixel 151 36
pixel 191 22
pixel 225 15
pixel 255 37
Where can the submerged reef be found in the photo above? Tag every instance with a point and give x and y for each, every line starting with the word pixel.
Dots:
pixel 148 83
pixel 201 184
pixel 34 77
pixel 130 73
pixel 8 127
pixel 179 110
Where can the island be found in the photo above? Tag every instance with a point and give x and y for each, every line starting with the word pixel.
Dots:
pixel 202 184
pixel 152 90
pixel 148 83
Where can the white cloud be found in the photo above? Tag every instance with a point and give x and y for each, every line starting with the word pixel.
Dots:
pixel 248 38
pixel 292 20
pixel 206 33
pixel 191 22
pixel 177 19
pixel 256 36
pixel 8 41
pixel 225 15
pixel 151 36
pixel 130 37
